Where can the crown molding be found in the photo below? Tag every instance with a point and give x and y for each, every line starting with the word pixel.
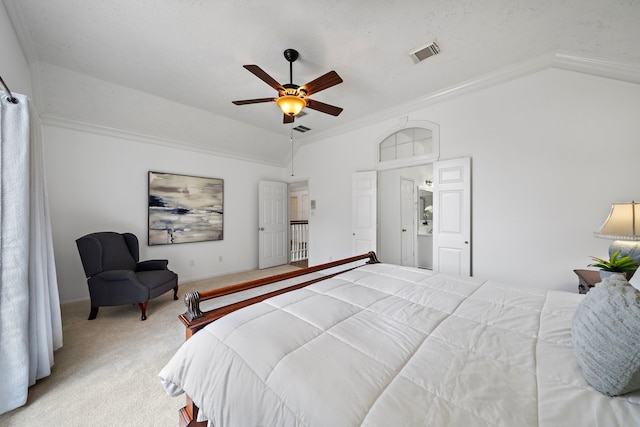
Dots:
pixel 611 69
pixel 77 125
pixel 616 70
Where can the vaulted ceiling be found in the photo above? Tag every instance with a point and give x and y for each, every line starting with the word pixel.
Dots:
pixel 192 51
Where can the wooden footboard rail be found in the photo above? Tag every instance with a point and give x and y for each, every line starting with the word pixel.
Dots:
pixel 194 319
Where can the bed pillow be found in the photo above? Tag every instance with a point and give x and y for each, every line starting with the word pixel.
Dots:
pixel 606 336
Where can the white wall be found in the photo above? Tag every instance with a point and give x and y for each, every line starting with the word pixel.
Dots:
pixel 99 183
pixel 550 152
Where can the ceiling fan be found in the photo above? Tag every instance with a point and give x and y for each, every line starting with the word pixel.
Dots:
pixel 291 97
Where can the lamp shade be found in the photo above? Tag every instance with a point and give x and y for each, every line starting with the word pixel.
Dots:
pixel 623 222
pixel 291 105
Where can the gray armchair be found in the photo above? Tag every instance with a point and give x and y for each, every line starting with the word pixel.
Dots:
pixel 116 277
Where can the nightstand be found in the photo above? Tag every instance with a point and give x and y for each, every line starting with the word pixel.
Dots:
pixel 587 279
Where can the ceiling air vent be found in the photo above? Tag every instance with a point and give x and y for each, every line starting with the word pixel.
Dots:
pixel 301 128
pixel 425 52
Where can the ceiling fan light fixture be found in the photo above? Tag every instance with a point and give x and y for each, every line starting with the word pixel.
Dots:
pixel 292 99
pixel 291 105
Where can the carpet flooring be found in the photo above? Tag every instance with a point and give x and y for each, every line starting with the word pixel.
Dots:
pixel 106 373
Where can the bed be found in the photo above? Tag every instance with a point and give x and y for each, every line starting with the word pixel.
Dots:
pixel 385 345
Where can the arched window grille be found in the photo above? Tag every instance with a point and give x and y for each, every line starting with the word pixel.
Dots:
pixel 412 142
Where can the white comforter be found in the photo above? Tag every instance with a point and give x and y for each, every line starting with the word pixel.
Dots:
pixel 385 346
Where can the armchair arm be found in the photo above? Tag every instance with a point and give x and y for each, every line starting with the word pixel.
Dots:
pixel 152 264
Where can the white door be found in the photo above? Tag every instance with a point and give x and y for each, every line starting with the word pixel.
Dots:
pixel 407 221
pixel 364 211
pixel 452 216
pixel 273 224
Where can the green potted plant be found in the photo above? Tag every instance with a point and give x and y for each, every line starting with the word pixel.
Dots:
pixel 616 264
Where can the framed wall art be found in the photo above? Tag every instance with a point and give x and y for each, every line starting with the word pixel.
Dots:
pixel 184 209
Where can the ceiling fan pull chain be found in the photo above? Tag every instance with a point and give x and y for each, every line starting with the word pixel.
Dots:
pixel 291 137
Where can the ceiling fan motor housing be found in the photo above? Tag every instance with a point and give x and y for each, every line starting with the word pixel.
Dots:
pixel 293 90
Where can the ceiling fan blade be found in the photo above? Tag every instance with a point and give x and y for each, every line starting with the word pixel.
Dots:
pixel 262 75
pixel 252 101
pixel 324 108
pixel 321 83
pixel 288 119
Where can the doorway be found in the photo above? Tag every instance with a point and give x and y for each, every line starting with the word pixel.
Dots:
pixel 400 237
pixel 425 226
pixel 299 223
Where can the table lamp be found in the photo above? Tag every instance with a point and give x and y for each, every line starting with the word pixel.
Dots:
pixel 623 226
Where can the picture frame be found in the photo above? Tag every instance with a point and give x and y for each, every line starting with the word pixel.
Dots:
pixel 184 209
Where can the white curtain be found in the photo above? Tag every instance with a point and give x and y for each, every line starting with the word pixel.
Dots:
pixel 30 322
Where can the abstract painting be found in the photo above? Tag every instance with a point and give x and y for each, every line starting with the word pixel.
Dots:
pixel 184 209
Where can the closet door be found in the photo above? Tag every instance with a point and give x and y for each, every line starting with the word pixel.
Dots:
pixel 452 216
pixel 407 221
pixel 364 212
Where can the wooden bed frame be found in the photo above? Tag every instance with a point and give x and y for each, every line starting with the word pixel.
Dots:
pixel 194 319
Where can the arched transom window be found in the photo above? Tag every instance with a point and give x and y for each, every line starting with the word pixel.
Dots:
pixel 411 142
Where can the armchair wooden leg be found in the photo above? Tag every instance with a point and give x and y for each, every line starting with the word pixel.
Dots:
pixel 175 293
pixel 94 313
pixel 143 309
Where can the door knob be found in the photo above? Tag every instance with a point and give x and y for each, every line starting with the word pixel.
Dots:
pixel 404 230
pixel 261 229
